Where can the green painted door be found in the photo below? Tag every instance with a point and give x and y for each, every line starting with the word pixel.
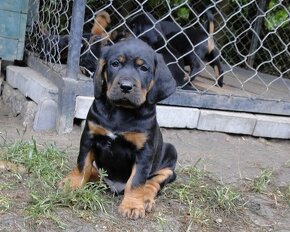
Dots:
pixel 13 16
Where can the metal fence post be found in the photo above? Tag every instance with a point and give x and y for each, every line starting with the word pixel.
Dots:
pixel 68 91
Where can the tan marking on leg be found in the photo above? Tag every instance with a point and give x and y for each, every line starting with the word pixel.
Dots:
pixel 132 205
pixel 216 71
pixel 152 187
pixel 95 176
pixel 76 179
pixel 138 200
pixel 211 27
pixel 210 44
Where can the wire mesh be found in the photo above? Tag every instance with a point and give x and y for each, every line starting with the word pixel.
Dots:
pixel 251 40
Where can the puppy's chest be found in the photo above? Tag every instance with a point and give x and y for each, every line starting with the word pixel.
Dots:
pixel 107 139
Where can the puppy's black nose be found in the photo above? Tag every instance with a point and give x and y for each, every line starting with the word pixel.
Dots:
pixel 126 86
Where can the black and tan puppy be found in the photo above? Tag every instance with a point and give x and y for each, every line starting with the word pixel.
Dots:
pixel 193 45
pixel 121 134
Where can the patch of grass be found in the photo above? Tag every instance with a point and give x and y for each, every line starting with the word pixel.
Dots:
pixel 203 197
pixel 92 198
pixel 287 195
pixel 226 198
pixel 198 215
pixel 46 166
pixel 261 181
pixel 48 163
pixel 160 217
pixel 5 203
pixel 4 186
pixel 283 194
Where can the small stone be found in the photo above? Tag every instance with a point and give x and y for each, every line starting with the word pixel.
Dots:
pixel 219 220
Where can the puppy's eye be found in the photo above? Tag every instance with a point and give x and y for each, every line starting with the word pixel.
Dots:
pixel 115 63
pixel 144 68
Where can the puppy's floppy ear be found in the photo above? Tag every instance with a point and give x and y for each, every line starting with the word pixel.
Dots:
pixel 98 76
pixel 164 84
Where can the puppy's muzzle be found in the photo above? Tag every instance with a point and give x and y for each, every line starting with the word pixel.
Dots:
pixel 126 86
pixel 126 91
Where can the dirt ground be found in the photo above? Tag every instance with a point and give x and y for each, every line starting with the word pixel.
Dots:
pixel 233 159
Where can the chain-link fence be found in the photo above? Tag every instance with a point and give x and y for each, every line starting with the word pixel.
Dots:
pixel 246 42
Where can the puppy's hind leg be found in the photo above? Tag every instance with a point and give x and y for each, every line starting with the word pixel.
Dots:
pixel 195 66
pixel 215 63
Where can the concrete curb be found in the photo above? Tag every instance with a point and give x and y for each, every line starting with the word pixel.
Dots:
pixel 33 85
pixel 230 122
pixel 210 120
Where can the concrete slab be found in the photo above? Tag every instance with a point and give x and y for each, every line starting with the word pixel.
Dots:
pixel 237 123
pixel 177 117
pixel 30 83
pixel 272 127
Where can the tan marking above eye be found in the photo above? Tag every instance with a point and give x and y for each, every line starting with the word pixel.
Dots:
pixel 139 61
pixel 122 59
pixel 138 139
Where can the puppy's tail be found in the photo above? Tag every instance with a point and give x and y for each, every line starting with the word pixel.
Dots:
pixel 210 18
pixel 101 22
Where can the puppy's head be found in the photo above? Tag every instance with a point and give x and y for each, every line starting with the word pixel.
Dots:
pixel 130 74
pixel 144 26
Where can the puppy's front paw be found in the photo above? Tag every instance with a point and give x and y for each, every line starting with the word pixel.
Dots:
pixel 149 205
pixel 72 181
pixel 132 209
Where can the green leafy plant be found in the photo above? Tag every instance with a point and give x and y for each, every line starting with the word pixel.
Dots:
pixel 261 181
pixel 278 16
